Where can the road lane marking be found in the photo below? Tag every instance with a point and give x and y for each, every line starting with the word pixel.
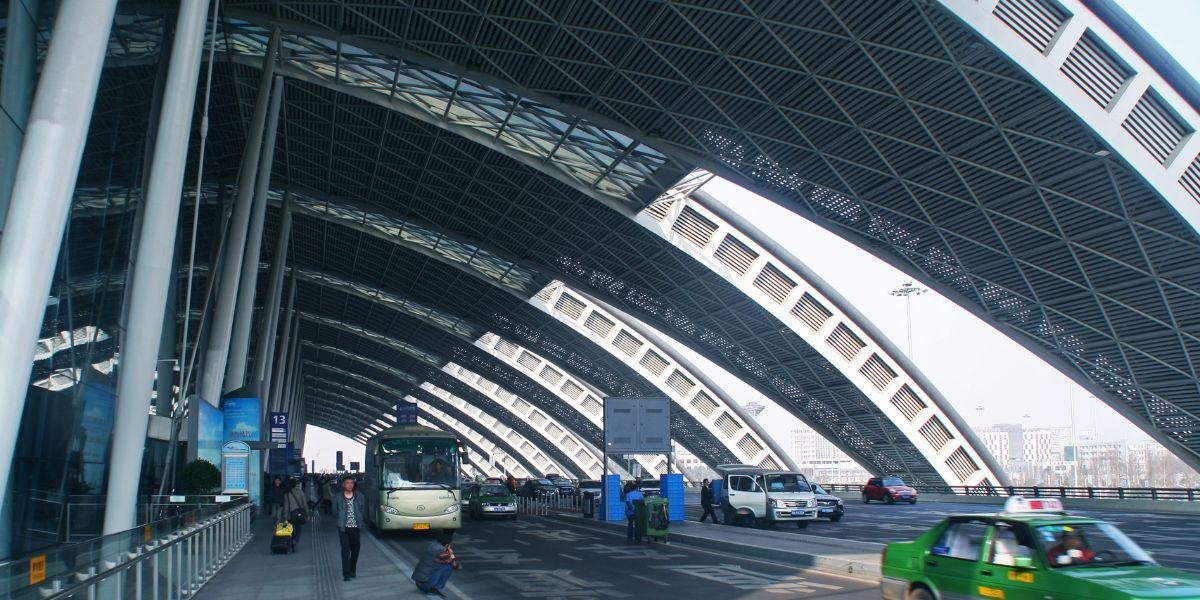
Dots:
pixel 569 556
pixel 522 542
pixel 651 580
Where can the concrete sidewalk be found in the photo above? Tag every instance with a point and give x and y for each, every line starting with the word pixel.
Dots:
pixel 314 571
pixel 831 555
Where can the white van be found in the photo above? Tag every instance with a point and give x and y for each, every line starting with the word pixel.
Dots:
pixel 766 496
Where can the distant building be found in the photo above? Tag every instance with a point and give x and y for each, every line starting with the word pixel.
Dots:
pixel 821 461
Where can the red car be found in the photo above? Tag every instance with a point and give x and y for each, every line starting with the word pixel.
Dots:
pixel 888 489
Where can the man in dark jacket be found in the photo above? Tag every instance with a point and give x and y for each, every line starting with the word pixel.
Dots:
pixel 350 514
pixel 706 501
pixel 436 565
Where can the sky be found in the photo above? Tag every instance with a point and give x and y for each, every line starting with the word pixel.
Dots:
pixel 987 377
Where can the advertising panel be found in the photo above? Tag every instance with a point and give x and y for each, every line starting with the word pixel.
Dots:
pixel 212 428
pixel 242 418
pixel 96 428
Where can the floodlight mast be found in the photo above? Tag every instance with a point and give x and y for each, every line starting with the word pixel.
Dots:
pixel 907 291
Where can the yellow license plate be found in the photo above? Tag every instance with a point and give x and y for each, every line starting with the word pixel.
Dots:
pixel 420 526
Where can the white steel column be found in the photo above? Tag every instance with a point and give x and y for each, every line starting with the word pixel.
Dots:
pixel 291 327
pixel 41 198
pixel 216 355
pixel 16 90
pixel 265 353
pixel 239 343
pixel 153 268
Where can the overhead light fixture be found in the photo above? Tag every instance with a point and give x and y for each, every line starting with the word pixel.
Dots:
pixel 1101 153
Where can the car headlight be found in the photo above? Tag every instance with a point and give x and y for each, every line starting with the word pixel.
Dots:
pixel 512 504
pixel 811 503
pixel 772 503
pixel 389 510
pixel 453 508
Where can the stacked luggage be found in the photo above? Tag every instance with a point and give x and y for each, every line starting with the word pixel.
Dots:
pixel 282 542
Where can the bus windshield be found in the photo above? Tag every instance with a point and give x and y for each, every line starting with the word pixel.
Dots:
pixel 418 463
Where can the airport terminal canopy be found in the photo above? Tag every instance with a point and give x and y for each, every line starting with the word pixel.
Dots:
pixel 475 183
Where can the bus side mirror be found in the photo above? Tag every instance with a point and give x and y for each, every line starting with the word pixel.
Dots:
pixel 1023 562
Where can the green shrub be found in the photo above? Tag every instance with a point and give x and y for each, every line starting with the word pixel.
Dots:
pixel 199 477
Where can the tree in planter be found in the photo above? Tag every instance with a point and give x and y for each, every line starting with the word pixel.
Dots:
pixel 199 477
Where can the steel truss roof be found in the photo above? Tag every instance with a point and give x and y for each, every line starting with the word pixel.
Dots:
pixel 892 124
pixel 889 123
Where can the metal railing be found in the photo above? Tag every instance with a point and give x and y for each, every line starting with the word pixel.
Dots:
pixel 545 504
pixel 169 559
pixel 71 518
pixel 1036 491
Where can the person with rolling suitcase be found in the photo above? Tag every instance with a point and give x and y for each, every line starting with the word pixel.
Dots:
pixel 294 509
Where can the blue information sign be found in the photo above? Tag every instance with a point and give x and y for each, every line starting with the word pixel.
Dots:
pixel 406 413
pixel 279 427
pixel 237 468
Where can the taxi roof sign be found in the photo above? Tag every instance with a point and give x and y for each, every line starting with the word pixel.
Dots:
pixel 1017 504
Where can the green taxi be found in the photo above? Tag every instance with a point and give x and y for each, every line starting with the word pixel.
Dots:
pixel 491 500
pixel 1031 551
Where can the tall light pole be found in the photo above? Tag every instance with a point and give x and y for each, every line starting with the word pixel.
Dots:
pixel 907 291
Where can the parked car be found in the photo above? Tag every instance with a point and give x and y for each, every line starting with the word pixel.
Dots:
pixel 1031 550
pixel 888 489
pixel 491 500
pixel 537 488
pixel 828 506
pixel 565 487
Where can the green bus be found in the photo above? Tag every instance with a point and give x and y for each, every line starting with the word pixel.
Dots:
pixel 412 479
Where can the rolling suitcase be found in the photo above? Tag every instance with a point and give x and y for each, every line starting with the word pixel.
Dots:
pixel 282 542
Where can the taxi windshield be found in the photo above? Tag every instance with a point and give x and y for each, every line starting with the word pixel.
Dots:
pixel 493 490
pixel 786 482
pixel 1089 544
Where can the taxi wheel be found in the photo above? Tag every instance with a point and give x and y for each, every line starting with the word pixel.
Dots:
pixel 866 498
pixel 890 499
pixel 912 501
pixel 918 593
pixel 835 518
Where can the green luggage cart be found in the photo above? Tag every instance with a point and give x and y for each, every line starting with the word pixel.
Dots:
pixel 658 519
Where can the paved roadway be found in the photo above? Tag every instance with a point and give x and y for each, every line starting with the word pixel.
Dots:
pixel 548 559
pixel 1170 538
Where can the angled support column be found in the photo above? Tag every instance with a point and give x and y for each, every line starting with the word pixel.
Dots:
pixel 153 269
pixel 16 90
pixel 279 375
pixel 239 344
pixel 265 353
pixel 216 355
pixel 41 199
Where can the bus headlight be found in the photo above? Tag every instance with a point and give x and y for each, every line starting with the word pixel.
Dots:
pixel 453 508
pixel 389 510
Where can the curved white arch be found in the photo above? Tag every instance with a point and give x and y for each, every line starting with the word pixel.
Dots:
pixel 532 454
pixel 686 390
pixel 1095 73
pixel 808 307
pixel 566 387
pixel 585 458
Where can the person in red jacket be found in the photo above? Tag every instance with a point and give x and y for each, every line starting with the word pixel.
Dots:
pixel 1070 550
